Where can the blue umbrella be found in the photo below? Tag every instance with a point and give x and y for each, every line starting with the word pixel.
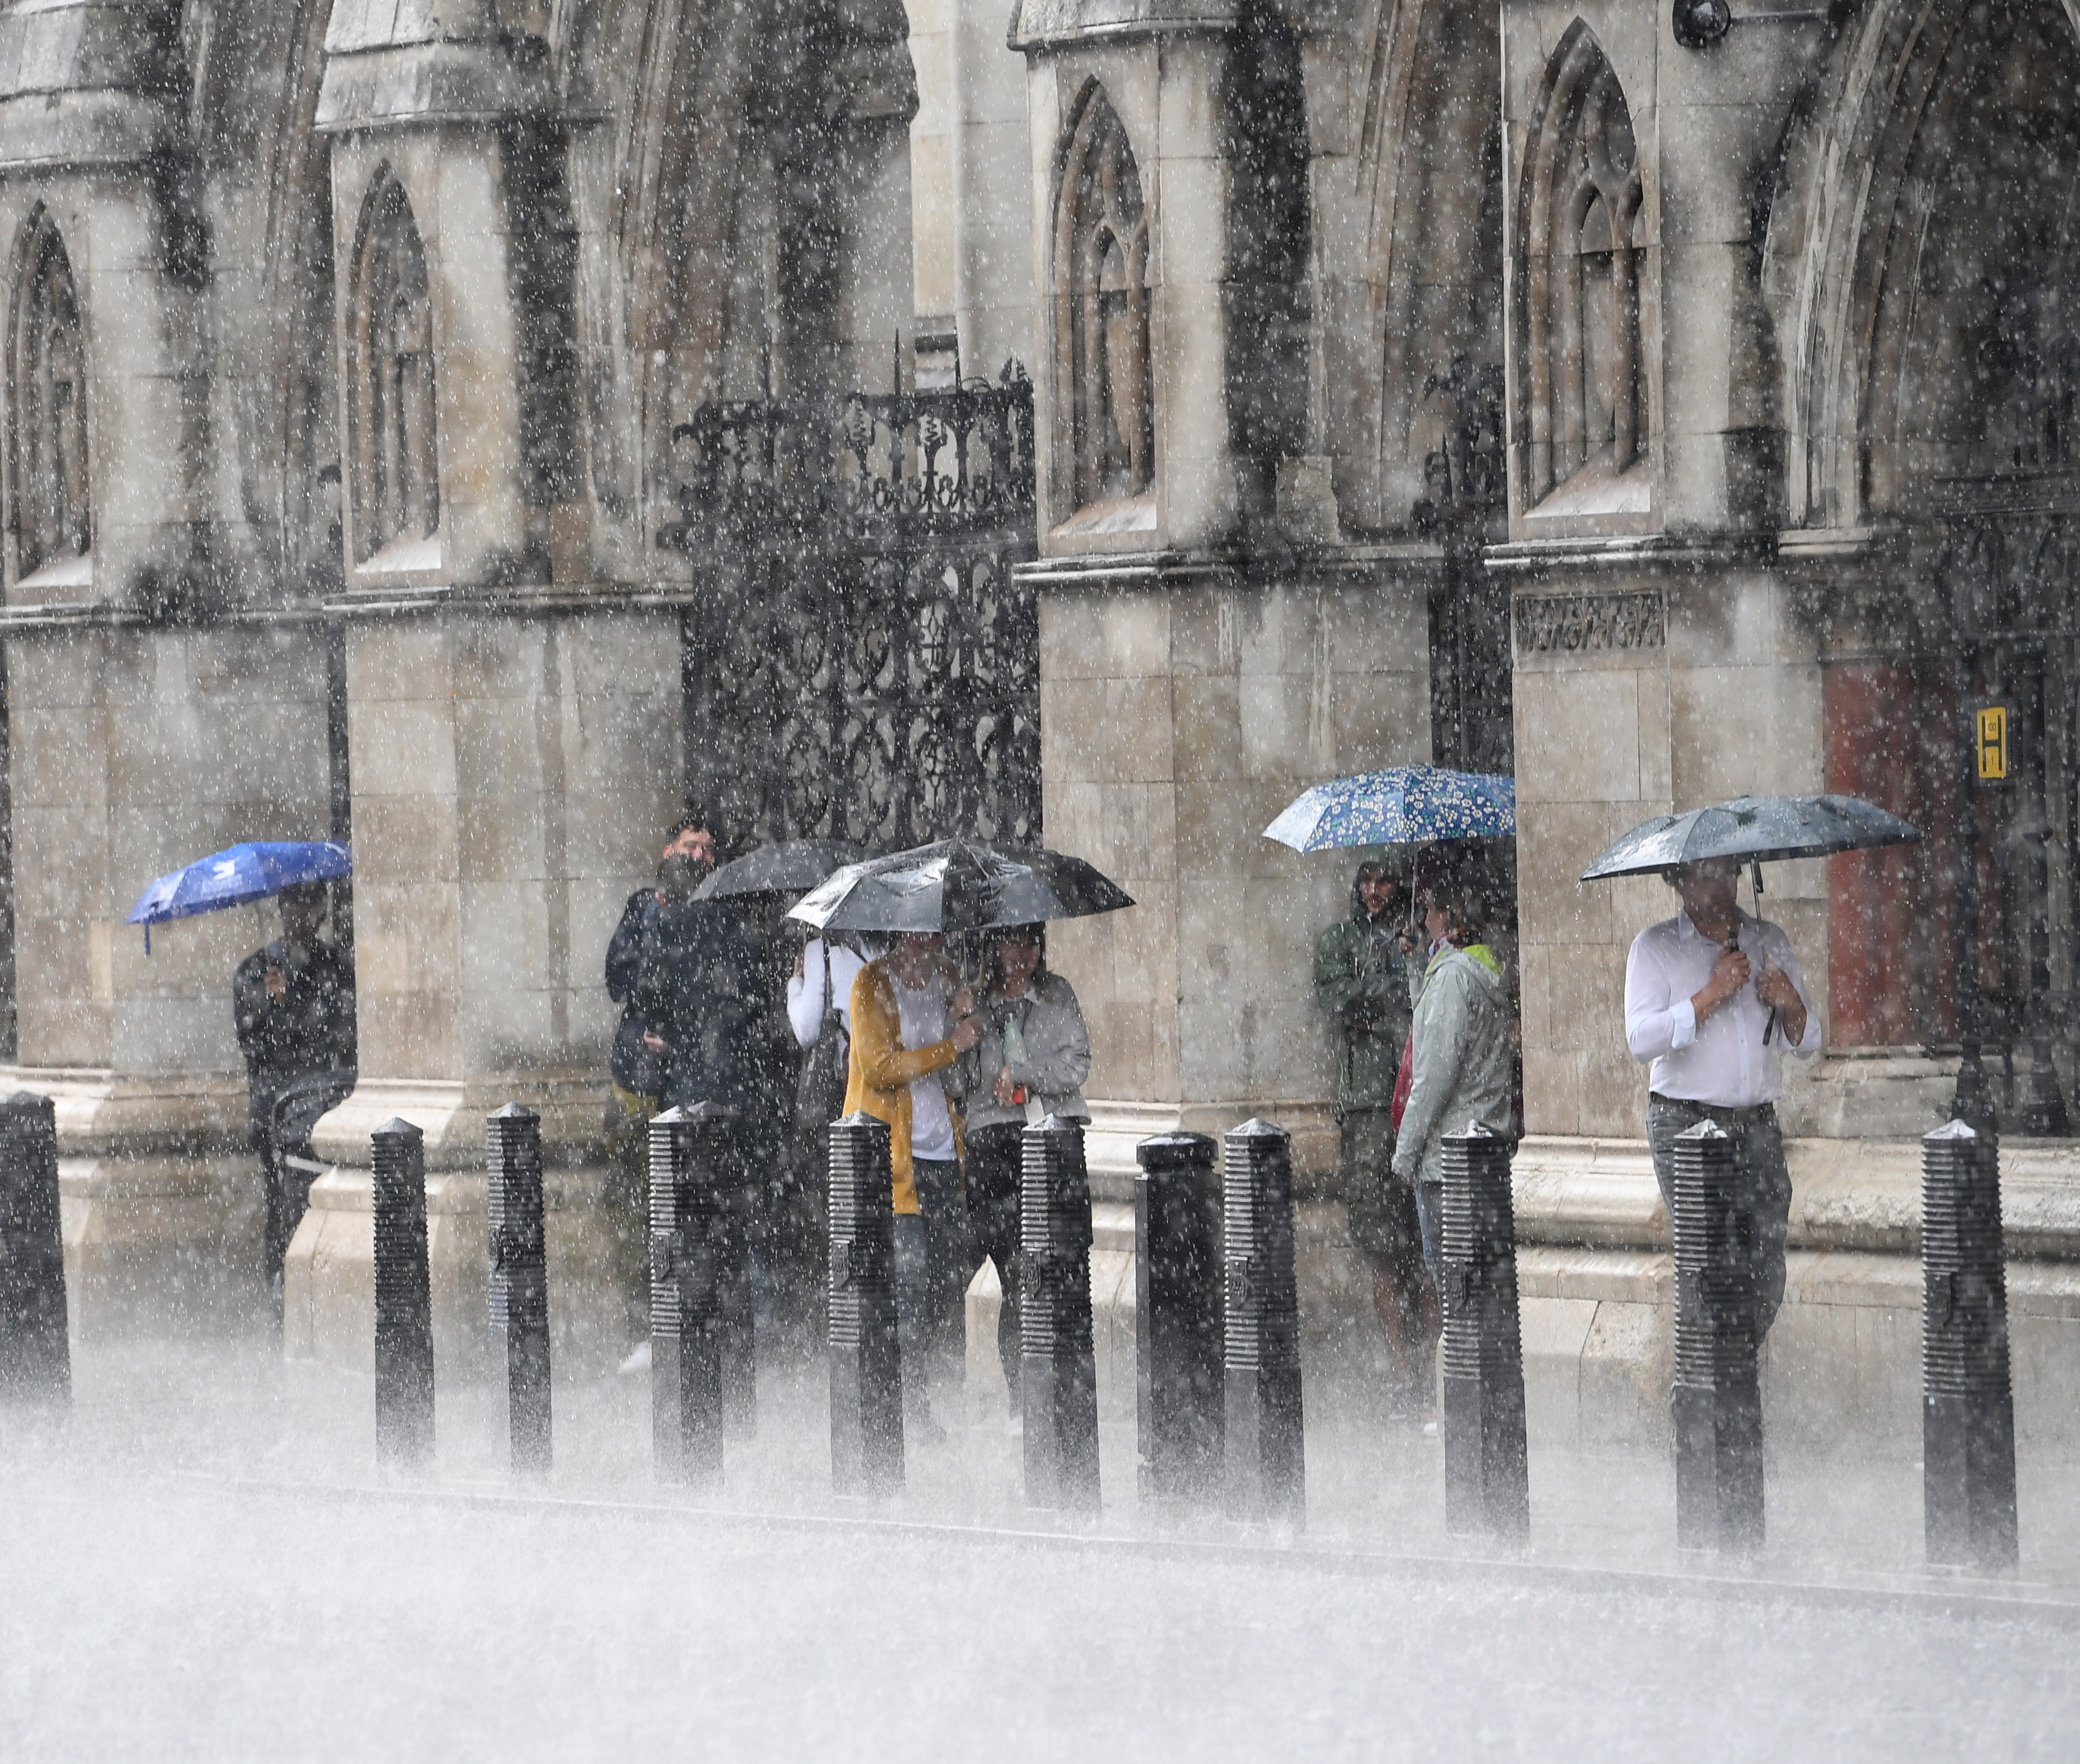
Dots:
pixel 240 873
pixel 1402 806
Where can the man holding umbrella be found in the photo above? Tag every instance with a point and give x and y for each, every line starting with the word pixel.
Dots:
pixel 1713 999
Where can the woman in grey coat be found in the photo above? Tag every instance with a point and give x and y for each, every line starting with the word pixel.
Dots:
pixel 1462 1070
pixel 1031 1062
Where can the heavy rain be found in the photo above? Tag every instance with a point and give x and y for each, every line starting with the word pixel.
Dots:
pixel 894 878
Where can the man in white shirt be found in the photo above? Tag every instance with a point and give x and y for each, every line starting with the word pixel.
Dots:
pixel 1714 998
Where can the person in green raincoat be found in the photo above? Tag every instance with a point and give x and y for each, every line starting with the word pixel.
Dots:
pixel 1363 971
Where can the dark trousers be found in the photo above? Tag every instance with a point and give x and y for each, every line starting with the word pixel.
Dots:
pixel 1762 1189
pixel 929 1280
pixel 995 1157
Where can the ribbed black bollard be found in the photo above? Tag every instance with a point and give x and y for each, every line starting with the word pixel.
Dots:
pixel 1717 1400
pixel 686 1323
pixel 520 1282
pixel 1486 1485
pixel 403 1297
pixel 1263 1450
pixel 1057 1369
pixel 724 1172
pixel 866 1365
pixel 1178 1390
pixel 36 1353
pixel 1967 1407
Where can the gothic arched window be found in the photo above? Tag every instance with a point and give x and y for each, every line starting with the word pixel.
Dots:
pixel 1586 396
pixel 46 406
pixel 1102 374
pixel 397 477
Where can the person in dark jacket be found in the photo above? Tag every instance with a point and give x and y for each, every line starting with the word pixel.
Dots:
pixel 637 1071
pixel 292 1005
pixel 1362 973
pixel 704 990
pixel 636 1077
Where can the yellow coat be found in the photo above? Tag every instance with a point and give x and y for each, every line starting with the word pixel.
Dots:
pixel 879 1079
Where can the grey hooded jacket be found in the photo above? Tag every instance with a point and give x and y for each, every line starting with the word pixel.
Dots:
pixel 1058 1056
pixel 1461 1068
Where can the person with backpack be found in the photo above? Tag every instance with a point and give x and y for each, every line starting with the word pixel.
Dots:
pixel 635 1072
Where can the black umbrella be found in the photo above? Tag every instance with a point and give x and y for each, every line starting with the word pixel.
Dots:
pixel 1754 829
pixel 957 885
pixel 787 867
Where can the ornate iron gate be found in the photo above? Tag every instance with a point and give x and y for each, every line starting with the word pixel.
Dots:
pixel 860 662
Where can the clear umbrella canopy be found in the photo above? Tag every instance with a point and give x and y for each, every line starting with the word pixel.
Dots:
pixel 1753 829
pixel 956 885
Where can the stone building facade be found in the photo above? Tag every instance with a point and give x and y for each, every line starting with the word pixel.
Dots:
pixel 1655 407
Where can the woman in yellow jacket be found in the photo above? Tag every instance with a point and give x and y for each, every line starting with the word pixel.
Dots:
pixel 911 1019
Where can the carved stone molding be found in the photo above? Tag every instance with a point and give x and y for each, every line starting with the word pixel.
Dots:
pixel 1565 623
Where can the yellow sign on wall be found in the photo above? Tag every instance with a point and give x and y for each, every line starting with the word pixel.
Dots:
pixel 1993 741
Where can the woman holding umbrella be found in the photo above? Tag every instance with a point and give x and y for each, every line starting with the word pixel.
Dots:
pixel 911 1020
pixel 1030 1062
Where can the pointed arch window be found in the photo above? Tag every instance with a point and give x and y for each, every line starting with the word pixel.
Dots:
pixel 1102 370
pixel 50 516
pixel 397 475
pixel 1585 392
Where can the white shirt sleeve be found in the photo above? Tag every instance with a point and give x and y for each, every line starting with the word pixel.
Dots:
pixel 1780 951
pixel 1656 1022
pixel 805 996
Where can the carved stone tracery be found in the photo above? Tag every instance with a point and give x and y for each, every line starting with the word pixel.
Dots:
pixel 1103 371
pixel 397 477
pixel 50 512
pixel 1585 394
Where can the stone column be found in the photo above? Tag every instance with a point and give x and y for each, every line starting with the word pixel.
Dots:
pixel 142 733
pixel 1197 670
pixel 513 724
pixel 512 773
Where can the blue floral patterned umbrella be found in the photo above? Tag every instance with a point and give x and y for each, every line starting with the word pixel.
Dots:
pixel 1402 806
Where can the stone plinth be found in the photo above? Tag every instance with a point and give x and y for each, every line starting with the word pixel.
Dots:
pixel 512 778
pixel 133 751
pixel 1180 710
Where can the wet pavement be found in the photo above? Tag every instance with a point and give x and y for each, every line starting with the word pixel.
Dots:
pixel 204 1561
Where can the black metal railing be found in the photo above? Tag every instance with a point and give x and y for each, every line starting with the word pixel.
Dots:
pixel 857 468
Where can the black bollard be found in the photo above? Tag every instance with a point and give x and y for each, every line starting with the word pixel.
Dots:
pixel 1178 1391
pixel 35 1353
pixel 686 1323
pixel 1967 1407
pixel 403 1297
pixel 520 1282
pixel 1717 1400
pixel 1264 1452
pixel 1487 1486
pixel 724 1171
pixel 1057 1369
pixel 866 1365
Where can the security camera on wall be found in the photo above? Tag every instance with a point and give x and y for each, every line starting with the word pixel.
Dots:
pixel 1699 23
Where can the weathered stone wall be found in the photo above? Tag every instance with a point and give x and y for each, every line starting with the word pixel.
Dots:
pixel 1177 718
